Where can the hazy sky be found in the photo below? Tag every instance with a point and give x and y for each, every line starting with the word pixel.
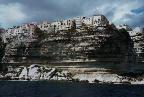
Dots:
pixel 15 12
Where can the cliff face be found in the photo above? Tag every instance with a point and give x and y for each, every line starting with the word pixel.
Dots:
pixel 2 46
pixel 23 47
pixel 101 45
pixel 138 40
pixel 2 50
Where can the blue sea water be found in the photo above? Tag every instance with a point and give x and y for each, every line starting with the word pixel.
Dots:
pixel 67 89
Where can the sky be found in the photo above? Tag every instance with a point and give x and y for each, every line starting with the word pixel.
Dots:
pixel 17 12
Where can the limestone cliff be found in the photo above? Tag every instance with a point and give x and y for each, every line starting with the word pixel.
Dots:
pixel 102 45
pixel 2 50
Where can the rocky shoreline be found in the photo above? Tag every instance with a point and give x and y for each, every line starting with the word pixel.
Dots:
pixel 43 73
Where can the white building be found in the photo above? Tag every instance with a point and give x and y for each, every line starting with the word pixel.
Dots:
pixel 136 36
pixel 99 20
pixel 44 26
pixel 19 32
pixel 63 24
pixel 66 24
pixel 124 26
pixel 27 30
pixel 94 21
pixel 56 25
pixel 78 21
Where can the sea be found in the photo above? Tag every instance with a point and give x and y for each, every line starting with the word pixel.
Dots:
pixel 68 89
